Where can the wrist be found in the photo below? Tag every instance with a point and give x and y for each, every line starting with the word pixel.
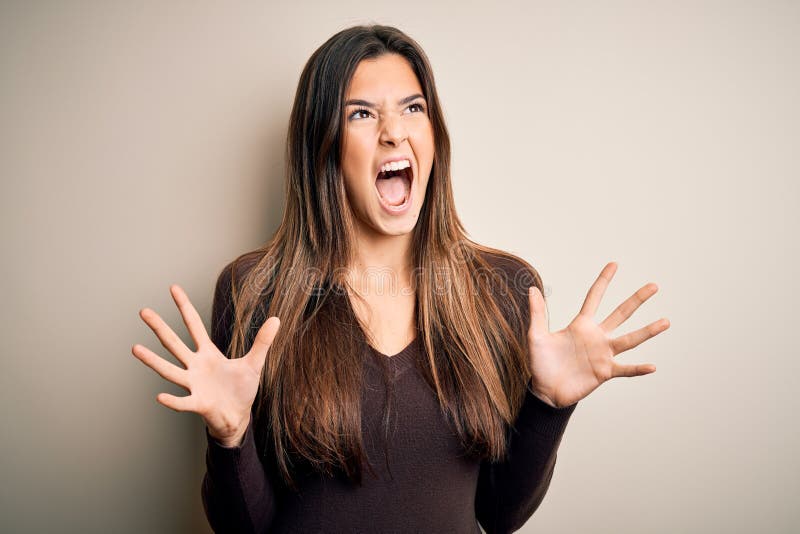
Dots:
pixel 541 395
pixel 230 442
pixel 230 439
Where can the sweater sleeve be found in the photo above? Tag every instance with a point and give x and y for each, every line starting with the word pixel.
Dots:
pixel 510 491
pixel 236 492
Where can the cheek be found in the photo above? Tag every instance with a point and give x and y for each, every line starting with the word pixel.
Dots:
pixel 425 146
pixel 425 138
pixel 352 159
pixel 356 167
pixel 357 155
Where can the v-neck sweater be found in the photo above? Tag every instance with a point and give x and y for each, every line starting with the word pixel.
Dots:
pixel 429 486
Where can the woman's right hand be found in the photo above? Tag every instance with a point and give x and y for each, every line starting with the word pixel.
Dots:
pixel 221 390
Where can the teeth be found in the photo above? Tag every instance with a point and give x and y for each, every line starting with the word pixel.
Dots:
pixel 396 165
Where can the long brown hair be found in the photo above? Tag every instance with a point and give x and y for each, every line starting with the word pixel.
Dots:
pixel 308 408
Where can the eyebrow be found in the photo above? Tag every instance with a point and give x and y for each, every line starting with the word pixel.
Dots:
pixel 367 104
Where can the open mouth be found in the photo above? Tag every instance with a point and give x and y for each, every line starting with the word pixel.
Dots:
pixel 394 186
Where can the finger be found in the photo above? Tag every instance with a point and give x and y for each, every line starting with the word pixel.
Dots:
pixel 598 289
pixel 167 370
pixel 632 370
pixel 179 404
pixel 632 339
pixel 192 319
pixel 258 352
pixel 626 309
pixel 169 339
pixel 538 309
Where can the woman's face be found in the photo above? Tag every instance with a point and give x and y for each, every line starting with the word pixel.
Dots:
pixel 386 120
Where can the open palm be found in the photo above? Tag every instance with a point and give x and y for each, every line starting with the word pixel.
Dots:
pixel 221 390
pixel 569 364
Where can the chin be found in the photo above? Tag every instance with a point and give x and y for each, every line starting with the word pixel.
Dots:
pixel 397 228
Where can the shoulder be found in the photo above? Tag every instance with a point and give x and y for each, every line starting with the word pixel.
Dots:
pixel 513 276
pixel 229 284
pixel 228 293
pixel 234 272
pixel 510 278
pixel 517 273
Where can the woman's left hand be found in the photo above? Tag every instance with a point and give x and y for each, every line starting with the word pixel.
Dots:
pixel 569 364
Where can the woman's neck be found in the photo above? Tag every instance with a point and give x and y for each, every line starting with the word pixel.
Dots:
pixel 381 263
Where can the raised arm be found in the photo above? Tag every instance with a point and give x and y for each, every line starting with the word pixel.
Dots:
pixel 567 365
pixel 237 494
pixel 510 491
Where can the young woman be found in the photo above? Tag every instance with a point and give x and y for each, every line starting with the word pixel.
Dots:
pixel 371 368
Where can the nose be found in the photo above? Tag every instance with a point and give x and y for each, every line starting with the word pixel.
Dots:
pixel 393 131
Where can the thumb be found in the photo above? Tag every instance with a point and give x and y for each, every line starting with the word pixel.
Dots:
pixel 258 352
pixel 538 312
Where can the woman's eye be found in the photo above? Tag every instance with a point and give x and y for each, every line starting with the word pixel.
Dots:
pixel 419 107
pixel 360 114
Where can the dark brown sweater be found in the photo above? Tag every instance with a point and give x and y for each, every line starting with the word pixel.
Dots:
pixel 430 486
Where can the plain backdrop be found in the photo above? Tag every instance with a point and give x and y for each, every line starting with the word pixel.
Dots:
pixel 141 145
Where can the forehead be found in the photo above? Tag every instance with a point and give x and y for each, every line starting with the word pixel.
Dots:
pixel 387 76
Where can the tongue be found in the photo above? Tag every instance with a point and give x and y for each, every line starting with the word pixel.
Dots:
pixel 393 190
